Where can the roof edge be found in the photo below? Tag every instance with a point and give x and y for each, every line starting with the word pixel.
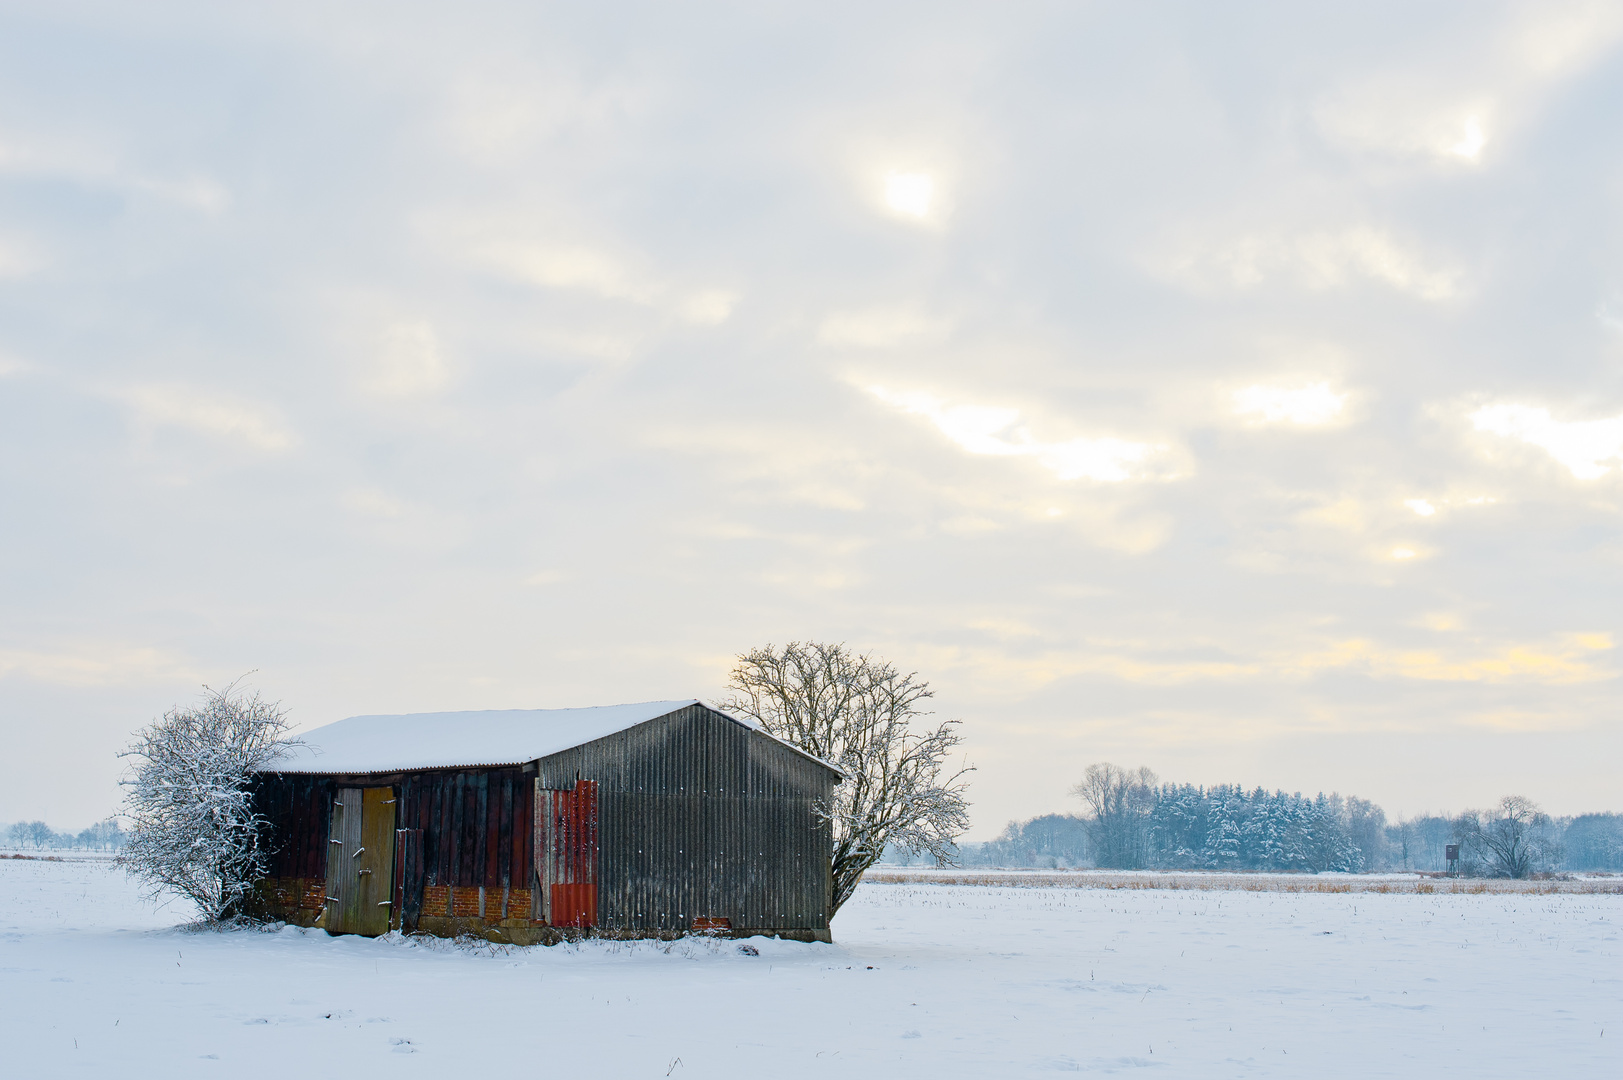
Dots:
pixel 802 751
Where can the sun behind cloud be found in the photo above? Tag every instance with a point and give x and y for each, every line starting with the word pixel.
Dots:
pixel 910 194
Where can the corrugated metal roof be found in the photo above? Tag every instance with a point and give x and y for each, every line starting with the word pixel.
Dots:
pixel 399 743
pixel 483 739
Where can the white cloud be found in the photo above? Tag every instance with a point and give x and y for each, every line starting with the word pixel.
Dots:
pixel 83 161
pixel 395 521
pixel 881 327
pixel 597 271
pixel 708 307
pixel 1449 102
pixel 97 664
pixel 1320 260
pixel 209 414
pixel 997 431
pixel 1430 507
pixel 1309 406
pixel 17 260
pixel 1590 448
pixel 408 362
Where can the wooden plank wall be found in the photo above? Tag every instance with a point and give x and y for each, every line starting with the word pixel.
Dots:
pixel 299 809
pixel 475 822
pixel 476 825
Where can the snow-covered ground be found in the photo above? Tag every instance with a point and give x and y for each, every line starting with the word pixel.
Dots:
pixel 926 980
pixel 1410 882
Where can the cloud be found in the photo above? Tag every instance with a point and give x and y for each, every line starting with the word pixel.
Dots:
pixel 87 161
pixel 98 664
pixel 1308 406
pixel 1563 661
pixel 1001 432
pixel 881 327
pixel 1447 104
pixel 1589 448
pixel 397 522
pixel 1431 506
pixel 247 423
pixel 17 259
pixel 408 362
pixel 599 272
pixel 1318 260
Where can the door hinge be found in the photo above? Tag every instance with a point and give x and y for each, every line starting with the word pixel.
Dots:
pixel 357 854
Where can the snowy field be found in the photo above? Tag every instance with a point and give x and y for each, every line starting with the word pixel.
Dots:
pixel 927 980
pixel 1251 882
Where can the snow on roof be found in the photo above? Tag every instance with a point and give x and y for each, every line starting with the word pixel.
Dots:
pixel 375 744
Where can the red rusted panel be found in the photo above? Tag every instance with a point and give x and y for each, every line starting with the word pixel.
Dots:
pixel 574 905
pixel 571 855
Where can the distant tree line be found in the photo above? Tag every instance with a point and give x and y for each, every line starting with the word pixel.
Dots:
pixel 38 836
pixel 1132 821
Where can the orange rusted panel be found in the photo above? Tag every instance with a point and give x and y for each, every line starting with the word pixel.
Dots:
pixel 567 856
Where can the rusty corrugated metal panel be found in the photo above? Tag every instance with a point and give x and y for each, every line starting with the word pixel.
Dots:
pixel 568 854
pixel 704 818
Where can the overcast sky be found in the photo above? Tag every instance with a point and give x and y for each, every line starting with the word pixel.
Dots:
pixel 1233 389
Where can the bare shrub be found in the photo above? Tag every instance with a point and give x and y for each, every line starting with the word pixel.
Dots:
pixel 858 713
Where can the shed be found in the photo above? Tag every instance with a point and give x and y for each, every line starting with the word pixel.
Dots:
pixel 533 825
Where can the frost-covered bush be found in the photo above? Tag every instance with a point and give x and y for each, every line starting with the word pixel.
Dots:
pixel 193 829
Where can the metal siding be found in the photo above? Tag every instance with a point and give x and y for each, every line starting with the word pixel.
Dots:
pixel 702 817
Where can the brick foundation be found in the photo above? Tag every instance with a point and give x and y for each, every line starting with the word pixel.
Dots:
pixel 300 901
pixel 465 902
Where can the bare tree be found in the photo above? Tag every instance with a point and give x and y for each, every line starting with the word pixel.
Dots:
pixel 1121 804
pixel 858 712
pixel 1512 840
pixel 102 836
pixel 193 827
